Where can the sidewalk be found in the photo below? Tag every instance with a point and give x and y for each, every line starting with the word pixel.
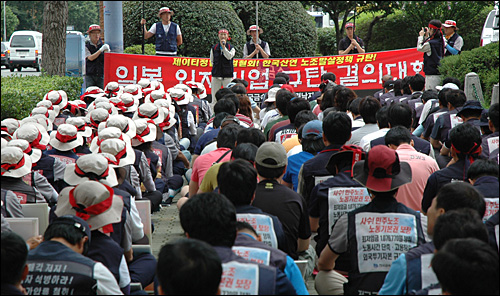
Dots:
pixel 167 227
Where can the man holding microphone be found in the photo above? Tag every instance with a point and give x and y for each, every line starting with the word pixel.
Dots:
pixel 221 56
pixel 94 58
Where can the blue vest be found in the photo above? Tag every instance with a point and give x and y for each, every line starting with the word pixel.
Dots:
pixel 104 249
pixel 451 42
pixel 56 269
pixel 414 266
pixel 251 47
pixel 95 67
pixel 277 257
pixel 152 161
pixel 64 156
pixel 25 193
pixel 137 161
pixel 119 227
pixel 267 274
pixel 168 41
pixel 319 200
pixel 432 62
pixel 371 282
pixel 222 67
pixel 45 166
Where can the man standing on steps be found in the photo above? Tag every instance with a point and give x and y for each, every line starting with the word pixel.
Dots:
pixel 94 57
pixel 221 57
pixel 168 34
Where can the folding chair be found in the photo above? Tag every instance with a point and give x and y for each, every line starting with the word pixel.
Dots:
pixel 40 211
pixel 24 227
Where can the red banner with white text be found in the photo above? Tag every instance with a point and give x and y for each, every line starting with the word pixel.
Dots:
pixel 356 71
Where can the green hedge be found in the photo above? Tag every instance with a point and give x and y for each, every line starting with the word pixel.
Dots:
pixel 149 49
pixel 398 30
pixel 482 60
pixel 21 94
pixel 199 22
pixel 289 29
pixel 327 44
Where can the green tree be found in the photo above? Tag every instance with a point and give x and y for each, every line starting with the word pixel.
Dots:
pixel 199 21
pixel 82 14
pixel 340 14
pixel 460 11
pixel 29 13
pixel 289 29
pixel 11 22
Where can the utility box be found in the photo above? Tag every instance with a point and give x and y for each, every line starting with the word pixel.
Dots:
pixel 75 54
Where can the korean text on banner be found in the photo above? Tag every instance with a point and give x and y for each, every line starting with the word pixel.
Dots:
pixel 356 71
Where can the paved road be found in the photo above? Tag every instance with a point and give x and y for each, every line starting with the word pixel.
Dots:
pixel 168 228
pixel 25 72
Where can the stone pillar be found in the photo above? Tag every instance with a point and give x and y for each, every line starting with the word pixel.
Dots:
pixel 494 94
pixel 472 87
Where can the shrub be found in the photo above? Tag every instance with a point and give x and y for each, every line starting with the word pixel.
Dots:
pixel 400 30
pixel 199 22
pixel 395 31
pixel 289 29
pixel 327 43
pixel 21 94
pixel 482 60
pixel 149 49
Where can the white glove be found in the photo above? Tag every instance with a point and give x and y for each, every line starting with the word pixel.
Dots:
pixel 105 47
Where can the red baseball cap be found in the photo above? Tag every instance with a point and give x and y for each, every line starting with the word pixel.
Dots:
pixel 349 25
pixel 93 28
pixel 382 171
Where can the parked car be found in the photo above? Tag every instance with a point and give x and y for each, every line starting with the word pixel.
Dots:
pixel 25 50
pixel 5 54
pixel 490 28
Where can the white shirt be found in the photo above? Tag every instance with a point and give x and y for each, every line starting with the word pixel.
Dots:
pixel 165 28
pixel 267 116
pixel 106 282
pixel 365 141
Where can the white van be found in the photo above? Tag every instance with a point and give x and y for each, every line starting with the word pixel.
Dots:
pixel 490 28
pixel 25 50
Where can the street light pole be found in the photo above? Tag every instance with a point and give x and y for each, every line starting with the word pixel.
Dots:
pixel 4 23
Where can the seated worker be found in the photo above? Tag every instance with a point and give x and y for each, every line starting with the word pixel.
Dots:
pixel 465 148
pixel 14 267
pixel 249 245
pixel 335 197
pixel 336 131
pixel 382 174
pixel 483 175
pixel 456 224
pixel 179 260
pixel 66 243
pixel 80 201
pixel 281 201
pixel 220 232
pixel 450 197
pixel 468 257
pixel 237 180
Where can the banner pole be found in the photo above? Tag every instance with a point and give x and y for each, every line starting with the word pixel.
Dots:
pixel 142 28
pixel 257 22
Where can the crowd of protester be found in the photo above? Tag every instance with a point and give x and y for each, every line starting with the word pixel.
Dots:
pixel 395 193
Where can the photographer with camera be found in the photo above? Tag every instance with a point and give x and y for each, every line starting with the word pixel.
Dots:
pixel 431 43
pixel 221 56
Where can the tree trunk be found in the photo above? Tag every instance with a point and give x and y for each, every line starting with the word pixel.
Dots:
pixel 55 19
pixel 368 36
pixel 101 19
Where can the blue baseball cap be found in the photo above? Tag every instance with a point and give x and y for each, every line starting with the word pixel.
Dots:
pixel 313 127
